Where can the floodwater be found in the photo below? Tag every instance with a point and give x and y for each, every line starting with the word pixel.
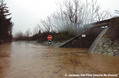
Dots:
pixel 25 60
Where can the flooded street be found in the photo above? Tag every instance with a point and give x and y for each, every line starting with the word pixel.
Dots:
pixel 25 60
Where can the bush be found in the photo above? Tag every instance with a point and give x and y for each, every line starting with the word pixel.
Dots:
pixel 61 36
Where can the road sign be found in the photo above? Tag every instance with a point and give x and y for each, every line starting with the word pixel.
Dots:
pixel 49 37
pixel 83 35
pixel 49 42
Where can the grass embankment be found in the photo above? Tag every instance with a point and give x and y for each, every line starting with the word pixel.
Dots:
pixel 57 37
pixel 42 37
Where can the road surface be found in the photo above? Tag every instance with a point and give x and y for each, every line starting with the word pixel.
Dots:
pixel 25 60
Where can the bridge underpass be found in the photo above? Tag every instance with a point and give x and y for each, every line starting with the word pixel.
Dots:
pixel 28 60
pixel 102 38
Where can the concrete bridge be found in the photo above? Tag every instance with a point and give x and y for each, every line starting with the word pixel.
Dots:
pixel 102 38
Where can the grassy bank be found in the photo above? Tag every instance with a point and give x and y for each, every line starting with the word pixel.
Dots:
pixel 57 37
pixel 42 37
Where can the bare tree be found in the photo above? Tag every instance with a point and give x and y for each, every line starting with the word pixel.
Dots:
pixel 18 35
pixel 73 15
pixel 46 25
pixel 117 11
pixel 37 29
pixel 27 33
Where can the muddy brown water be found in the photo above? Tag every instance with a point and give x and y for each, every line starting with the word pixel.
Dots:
pixel 25 60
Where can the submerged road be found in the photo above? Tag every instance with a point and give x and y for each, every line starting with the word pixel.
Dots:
pixel 25 60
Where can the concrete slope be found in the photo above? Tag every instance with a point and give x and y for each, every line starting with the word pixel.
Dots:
pixel 81 42
pixel 94 44
pixel 68 41
pixel 97 24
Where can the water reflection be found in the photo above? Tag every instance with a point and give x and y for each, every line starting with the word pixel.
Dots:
pixel 25 60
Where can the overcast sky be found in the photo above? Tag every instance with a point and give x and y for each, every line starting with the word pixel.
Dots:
pixel 26 14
